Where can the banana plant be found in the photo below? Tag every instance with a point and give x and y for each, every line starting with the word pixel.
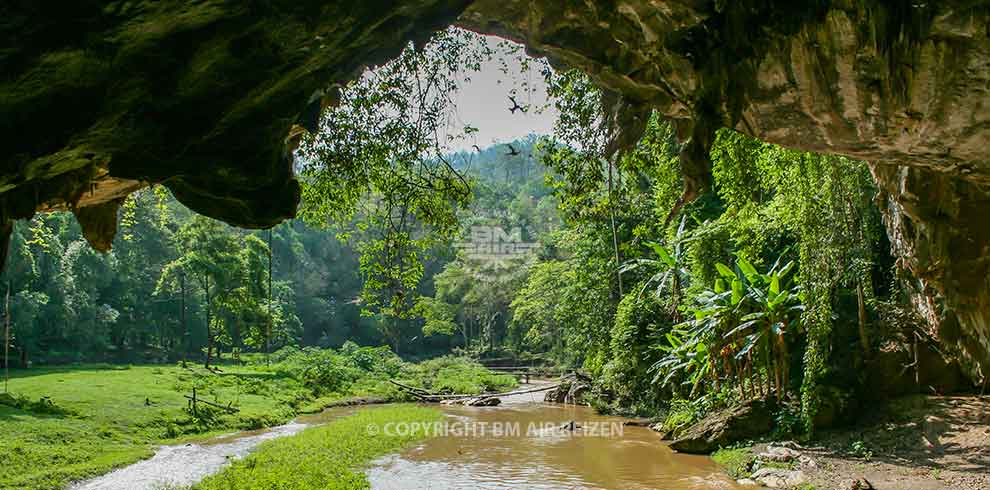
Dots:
pixel 775 306
pixel 745 321
pixel 693 346
pixel 669 270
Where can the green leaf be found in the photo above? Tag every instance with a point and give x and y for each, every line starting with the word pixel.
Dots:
pixel 786 269
pixel 774 285
pixel 751 342
pixel 737 291
pixel 725 271
pixel 740 328
pixel 662 252
pixel 748 270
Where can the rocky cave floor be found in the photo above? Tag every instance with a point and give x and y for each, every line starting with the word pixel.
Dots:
pixel 917 443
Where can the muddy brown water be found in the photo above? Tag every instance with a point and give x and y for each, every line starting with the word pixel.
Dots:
pixel 521 445
pixel 518 445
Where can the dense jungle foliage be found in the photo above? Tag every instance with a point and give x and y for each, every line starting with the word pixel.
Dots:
pixel 776 282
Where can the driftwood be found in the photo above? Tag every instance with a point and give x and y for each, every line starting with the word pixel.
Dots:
pixel 412 390
pixel 194 400
pixel 474 400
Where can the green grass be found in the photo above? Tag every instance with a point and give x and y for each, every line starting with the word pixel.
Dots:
pixel 735 462
pixel 450 374
pixel 330 457
pixel 101 417
pixel 105 417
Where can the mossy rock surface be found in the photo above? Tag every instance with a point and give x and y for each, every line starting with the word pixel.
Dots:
pixel 725 428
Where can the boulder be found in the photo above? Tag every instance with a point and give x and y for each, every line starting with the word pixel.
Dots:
pixel 572 389
pixel 932 430
pixel 721 429
pixel 483 401
pixel 778 478
pixel 778 454
pixel 480 401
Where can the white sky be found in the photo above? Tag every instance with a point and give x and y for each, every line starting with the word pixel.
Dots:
pixel 484 101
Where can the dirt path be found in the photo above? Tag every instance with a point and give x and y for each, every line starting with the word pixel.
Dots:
pixel 918 443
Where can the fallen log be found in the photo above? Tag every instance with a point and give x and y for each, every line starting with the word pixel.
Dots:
pixel 227 408
pixel 480 398
pixel 412 390
pixel 491 395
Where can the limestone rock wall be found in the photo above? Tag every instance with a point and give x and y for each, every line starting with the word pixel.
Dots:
pixel 98 98
pixel 198 95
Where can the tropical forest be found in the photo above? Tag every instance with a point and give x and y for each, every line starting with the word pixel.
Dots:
pixel 495 245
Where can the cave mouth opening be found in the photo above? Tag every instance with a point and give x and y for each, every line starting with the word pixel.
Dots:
pixel 418 124
pixel 469 108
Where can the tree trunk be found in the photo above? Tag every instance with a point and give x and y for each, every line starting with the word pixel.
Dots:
pixel 238 341
pixel 209 350
pixel 773 359
pixel 182 314
pixel 768 386
pixel 864 338
pixel 209 326
pixel 6 339
pixel 740 378
pixel 785 367
pixel 615 237
pixel 268 325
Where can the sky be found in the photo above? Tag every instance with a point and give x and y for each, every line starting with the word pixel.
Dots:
pixel 484 102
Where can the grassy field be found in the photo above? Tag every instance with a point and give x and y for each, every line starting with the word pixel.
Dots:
pixel 100 417
pixel 69 423
pixel 330 457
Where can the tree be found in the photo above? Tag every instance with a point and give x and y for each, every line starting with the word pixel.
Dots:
pixel 229 270
pixel 437 315
pixel 379 158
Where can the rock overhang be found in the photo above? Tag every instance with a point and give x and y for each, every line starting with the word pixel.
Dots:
pixel 100 98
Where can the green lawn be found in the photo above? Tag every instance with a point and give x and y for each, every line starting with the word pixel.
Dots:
pixel 329 457
pixel 99 417
pixel 106 417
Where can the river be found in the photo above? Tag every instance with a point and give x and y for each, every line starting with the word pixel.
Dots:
pixel 518 445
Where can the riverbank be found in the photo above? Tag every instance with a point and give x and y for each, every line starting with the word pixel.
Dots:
pixel 913 443
pixel 70 423
pixel 65 424
pixel 325 457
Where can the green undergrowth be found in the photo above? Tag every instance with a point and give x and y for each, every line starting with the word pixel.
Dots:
pixel 458 375
pixel 329 457
pixel 736 462
pixel 62 424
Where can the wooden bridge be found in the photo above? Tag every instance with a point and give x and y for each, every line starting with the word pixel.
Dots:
pixel 525 372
